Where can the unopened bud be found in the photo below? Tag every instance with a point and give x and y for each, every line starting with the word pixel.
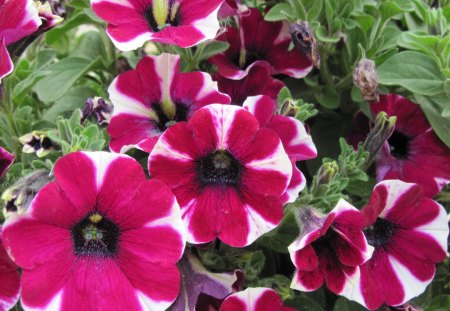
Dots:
pixel 99 107
pixel 288 108
pixel 366 79
pixel 304 40
pixel 38 142
pixel 383 128
pixel 327 172
pixel 18 197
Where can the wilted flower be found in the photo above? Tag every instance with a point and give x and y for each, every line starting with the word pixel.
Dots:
pixel 100 237
pixel 254 299
pixel 228 173
pixel 18 197
pixel 153 97
pixel 329 248
pixel 304 40
pixel 99 107
pixel 366 79
pixel 37 142
pixel 413 153
pixel 10 279
pixel 6 160
pixel 380 132
pixel 409 233
pixel 259 43
pixel 181 22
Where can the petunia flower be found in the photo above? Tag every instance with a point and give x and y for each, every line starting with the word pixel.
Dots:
pixel 49 20
pixel 258 81
pixel 185 23
pixel 99 107
pixel 409 233
pixel 153 97
pixel 6 160
pixel 100 237
pixel 229 175
pixel 10 279
pixel 259 43
pixel 254 299
pixel 413 153
pixel 18 19
pixel 329 248
pixel 296 141
pixel 37 142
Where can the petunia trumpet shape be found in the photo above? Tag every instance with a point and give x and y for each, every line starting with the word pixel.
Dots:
pixel 18 19
pixel 100 237
pixel 296 141
pixel 10 279
pixel 329 248
pixel 6 160
pixel 413 153
pixel 409 233
pixel 185 23
pixel 254 299
pixel 259 43
pixel 229 175
pixel 154 96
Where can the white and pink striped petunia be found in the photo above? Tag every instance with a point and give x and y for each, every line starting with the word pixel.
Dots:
pixel 229 175
pixel 18 19
pixel 153 97
pixel 259 43
pixel 254 299
pixel 329 248
pixel 101 237
pixel 409 233
pixel 10 279
pixel 296 141
pixel 185 23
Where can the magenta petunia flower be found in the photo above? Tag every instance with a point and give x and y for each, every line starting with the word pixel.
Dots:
pixel 153 97
pixel 409 233
pixel 6 160
pixel 254 299
pixel 228 174
pixel 413 153
pixel 10 279
pixel 257 82
pixel 101 237
pixel 329 248
pixel 185 23
pixel 18 19
pixel 259 43
pixel 296 141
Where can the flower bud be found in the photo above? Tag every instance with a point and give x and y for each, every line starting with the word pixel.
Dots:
pixel 99 107
pixel 304 40
pixel 366 79
pixel 37 141
pixel 18 197
pixel 383 128
pixel 327 172
pixel 288 108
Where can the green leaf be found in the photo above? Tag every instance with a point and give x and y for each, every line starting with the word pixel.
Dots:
pixel 414 71
pixel 440 303
pixel 328 97
pixel 389 9
pixel 213 48
pixel 302 303
pixel 343 304
pixel 63 75
pixel 433 107
pixel 322 35
pixel 283 95
pixel 279 12
pixel 90 46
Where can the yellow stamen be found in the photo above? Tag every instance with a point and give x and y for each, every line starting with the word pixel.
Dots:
pixel 160 12
pixel 95 218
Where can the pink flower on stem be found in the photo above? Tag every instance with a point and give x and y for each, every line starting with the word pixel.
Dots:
pixel 413 153
pixel 185 23
pixel 10 279
pixel 409 233
pixel 153 97
pixel 257 82
pixel 259 43
pixel 254 299
pixel 329 248
pixel 101 237
pixel 18 19
pixel 296 141
pixel 6 160
pixel 229 175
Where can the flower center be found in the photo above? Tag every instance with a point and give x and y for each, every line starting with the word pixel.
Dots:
pixel 399 145
pixel 380 233
pixel 219 168
pixel 162 121
pixel 246 58
pixel 95 235
pixel 163 13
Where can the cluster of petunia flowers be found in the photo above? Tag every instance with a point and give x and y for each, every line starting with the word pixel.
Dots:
pixel 222 165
